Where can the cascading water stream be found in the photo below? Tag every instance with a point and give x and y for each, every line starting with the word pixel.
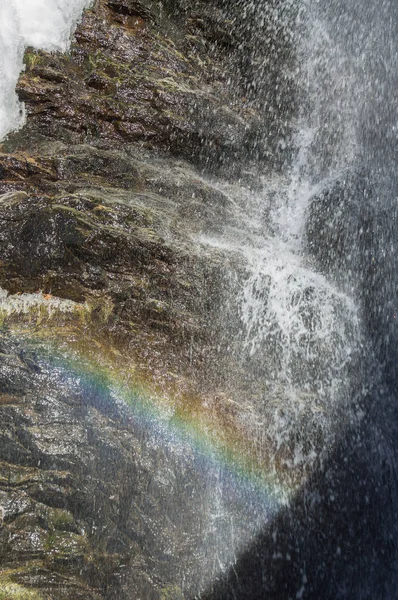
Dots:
pixel 339 207
pixel 316 310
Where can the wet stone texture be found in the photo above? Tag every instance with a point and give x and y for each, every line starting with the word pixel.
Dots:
pixel 90 508
pixel 140 75
pixel 102 195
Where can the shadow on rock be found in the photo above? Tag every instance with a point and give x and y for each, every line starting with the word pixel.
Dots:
pixel 338 538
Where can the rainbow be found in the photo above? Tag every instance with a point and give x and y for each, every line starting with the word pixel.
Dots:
pixel 174 418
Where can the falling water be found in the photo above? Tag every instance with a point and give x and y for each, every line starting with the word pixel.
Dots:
pixel 317 307
pixel 319 315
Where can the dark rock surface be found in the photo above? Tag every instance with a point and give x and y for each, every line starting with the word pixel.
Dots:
pixel 100 208
pixel 87 510
pixel 139 75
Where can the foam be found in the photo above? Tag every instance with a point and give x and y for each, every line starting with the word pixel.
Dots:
pixel 36 304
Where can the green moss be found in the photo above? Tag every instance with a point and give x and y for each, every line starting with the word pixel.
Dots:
pixel 184 284
pixel 61 520
pixel 63 543
pixel 171 592
pixel 31 59
pixel 158 306
pixel 14 591
pixel 146 234
pixel 81 219
pixel 17 475
pixel 172 116
pixel 107 67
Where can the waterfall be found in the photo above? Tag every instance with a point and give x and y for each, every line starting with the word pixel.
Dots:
pixel 318 312
pixel 313 326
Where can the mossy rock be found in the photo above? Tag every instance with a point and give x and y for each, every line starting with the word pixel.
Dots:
pixel 171 592
pixel 13 591
pixel 60 520
pixel 32 58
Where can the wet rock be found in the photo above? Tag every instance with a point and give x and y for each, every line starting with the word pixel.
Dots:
pixel 101 209
pixel 93 511
pixel 115 230
pixel 132 8
pixel 139 75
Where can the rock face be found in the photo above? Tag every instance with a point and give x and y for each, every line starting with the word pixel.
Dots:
pixel 86 505
pixel 94 207
pixel 100 208
pixel 121 241
pixel 138 75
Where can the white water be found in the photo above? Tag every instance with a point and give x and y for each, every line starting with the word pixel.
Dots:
pixel 301 334
pixel 300 331
pixel 35 304
pixel 43 24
